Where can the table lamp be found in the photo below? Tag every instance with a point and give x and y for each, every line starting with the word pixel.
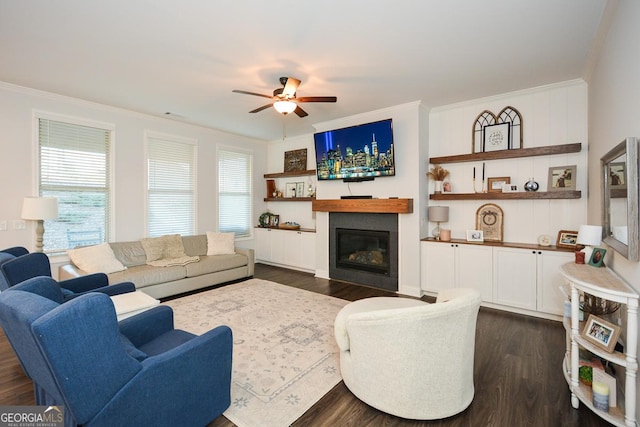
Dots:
pixel 39 209
pixel 438 214
pixel 589 236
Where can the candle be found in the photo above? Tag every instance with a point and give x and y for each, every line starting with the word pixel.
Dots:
pixel 445 235
pixel 600 396
pixel 482 171
pixel 474 173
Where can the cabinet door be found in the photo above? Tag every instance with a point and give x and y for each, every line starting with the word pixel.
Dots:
pixel 263 244
pixel 514 277
pixel 278 240
pixel 474 269
pixel 308 251
pixel 550 299
pixel 438 266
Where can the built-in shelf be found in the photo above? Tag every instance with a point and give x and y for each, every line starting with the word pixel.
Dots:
pixel 509 154
pixel 288 174
pixel 536 195
pixel 518 245
pixel 289 199
pixel 400 206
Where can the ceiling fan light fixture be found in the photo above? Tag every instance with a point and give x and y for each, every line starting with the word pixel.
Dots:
pixel 285 107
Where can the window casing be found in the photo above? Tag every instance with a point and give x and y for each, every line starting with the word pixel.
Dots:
pixel 74 166
pixel 235 192
pixel 171 185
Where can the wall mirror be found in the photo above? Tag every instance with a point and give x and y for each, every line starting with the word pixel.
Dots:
pixel 620 198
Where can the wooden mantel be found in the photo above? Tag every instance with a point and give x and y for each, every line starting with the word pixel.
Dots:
pixel 400 206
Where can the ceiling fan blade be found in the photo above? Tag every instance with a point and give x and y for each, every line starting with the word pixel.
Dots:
pixel 264 107
pixel 291 87
pixel 300 112
pixel 252 93
pixel 317 99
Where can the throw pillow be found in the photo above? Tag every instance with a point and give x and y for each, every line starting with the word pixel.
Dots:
pixel 163 247
pixel 96 259
pixel 220 243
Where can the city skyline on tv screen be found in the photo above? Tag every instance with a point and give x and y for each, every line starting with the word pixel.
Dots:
pixel 362 151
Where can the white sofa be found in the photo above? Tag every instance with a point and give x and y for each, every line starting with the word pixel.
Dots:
pixel 409 358
pixel 161 282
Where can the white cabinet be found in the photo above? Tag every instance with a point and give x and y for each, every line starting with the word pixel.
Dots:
pixel 529 278
pixel 447 265
pixel 602 283
pixel 287 248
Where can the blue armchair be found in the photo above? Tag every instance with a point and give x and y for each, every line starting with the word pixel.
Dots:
pixel 140 371
pixel 36 264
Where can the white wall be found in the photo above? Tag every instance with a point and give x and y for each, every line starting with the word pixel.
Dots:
pixel 19 154
pixel 614 114
pixel 406 184
pixel 551 115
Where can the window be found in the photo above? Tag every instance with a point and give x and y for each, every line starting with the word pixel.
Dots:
pixel 170 185
pixel 234 192
pixel 74 166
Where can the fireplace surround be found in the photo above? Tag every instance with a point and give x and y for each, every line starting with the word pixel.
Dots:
pixel 363 249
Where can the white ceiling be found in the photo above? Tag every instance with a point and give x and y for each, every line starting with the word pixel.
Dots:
pixel 186 56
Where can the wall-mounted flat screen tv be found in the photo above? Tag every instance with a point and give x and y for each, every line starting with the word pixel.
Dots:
pixel 356 153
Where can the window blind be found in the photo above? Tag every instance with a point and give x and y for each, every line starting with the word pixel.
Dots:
pixel 234 192
pixel 74 167
pixel 170 187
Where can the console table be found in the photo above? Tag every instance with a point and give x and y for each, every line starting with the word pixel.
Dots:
pixel 602 283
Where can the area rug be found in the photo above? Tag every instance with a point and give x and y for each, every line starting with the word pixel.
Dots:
pixel 284 353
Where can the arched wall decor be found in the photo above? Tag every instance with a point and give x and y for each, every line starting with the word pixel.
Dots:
pixel 487 118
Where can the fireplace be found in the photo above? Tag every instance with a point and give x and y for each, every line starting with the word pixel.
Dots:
pixel 363 249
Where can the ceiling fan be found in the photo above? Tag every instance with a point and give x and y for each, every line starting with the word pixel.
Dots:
pixel 284 98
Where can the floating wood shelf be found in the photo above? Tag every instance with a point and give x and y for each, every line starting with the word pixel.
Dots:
pixel 400 206
pixel 536 195
pixel 288 174
pixel 289 199
pixel 509 154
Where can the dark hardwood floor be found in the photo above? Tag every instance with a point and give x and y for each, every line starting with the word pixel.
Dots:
pixel 518 374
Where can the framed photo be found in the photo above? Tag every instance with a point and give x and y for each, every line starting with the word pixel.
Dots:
pixel 601 333
pixel 617 175
pixel 562 178
pixel 475 236
pixel 274 220
pixel 299 189
pixel 510 188
pixel 567 239
pixel 489 219
pixel 495 185
pixel 290 189
pixel 597 257
pixel 496 137
pixel 295 160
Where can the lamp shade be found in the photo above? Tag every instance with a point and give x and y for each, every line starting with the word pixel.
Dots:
pixel 589 235
pixel 438 213
pixel 36 208
pixel 285 107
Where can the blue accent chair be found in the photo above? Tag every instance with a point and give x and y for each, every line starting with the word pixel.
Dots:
pixel 138 372
pixel 21 268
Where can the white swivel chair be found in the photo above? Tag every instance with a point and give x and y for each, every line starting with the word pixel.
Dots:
pixel 409 358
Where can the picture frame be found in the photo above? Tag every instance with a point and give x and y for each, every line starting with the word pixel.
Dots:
pixel 475 236
pixel 496 137
pixel 495 185
pixel 597 257
pixel 295 160
pixel 490 220
pixel 274 220
pixel 567 239
pixel 562 178
pixel 299 189
pixel 510 188
pixel 290 190
pixel 618 175
pixel 601 333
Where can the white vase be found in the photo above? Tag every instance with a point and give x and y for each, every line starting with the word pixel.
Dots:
pixel 438 187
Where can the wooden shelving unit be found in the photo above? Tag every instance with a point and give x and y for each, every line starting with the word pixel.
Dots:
pixel 535 195
pixel 509 154
pixel 290 174
pixel 289 199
